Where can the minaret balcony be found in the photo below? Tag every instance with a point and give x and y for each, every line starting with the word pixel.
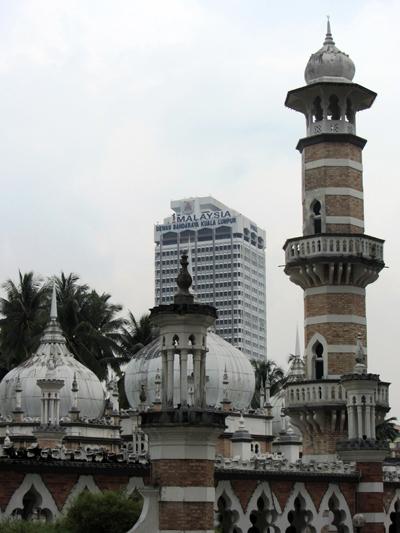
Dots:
pixel 324 392
pixel 333 258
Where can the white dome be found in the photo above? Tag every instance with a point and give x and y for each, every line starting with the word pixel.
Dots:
pixel 91 397
pixel 329 64
pixel 142 370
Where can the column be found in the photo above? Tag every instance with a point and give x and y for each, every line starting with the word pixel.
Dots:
pixel 170 377
pixel 45 414
pixel 368 421
pixel 164 381
pixel 373 421
pixel 203 378
pixel 351 428
pixel 183 358
pixel 196 376
pixel 360 421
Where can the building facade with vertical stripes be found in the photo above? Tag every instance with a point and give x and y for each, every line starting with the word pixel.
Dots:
pixel 227 258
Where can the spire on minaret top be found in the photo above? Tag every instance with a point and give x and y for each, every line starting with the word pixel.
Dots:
pixel 53 309
pixel 328 36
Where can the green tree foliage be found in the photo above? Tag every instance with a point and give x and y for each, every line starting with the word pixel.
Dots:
pixel 387 430
pixel 263 370
pixel 89 320
pixel 102 513
pixel 24 313
pixel 21 526
pixel 136 334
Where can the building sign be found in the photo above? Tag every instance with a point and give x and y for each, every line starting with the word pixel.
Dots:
pixel 197 220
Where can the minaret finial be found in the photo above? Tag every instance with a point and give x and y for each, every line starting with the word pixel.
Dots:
pixel 328 36
pixel 184 282
pixel 53 309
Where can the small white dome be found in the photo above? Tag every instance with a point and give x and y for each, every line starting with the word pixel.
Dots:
pixel 146 364
pixel 329 63
pixel 52 353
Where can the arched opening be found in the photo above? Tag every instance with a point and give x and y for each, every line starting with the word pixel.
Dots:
pixel 317 113
pixel 192 340
pixel 299 518
pixel 334 112
pixel 318 350
pixel 175 341
pixel 226 517
pixel 395 519
pixel 338 516
pixel 316 216
pixel 263 517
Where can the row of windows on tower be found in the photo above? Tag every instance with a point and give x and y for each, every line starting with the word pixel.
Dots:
pixel 333 110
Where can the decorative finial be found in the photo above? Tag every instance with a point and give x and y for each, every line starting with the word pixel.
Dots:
pixel 53 309
pixel 328 36
pixel 74 384
pixel 184 282
pixel 18 386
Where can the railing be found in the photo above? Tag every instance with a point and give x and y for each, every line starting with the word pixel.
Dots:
pixel 333 246
pixel 331 126
pixel 314 392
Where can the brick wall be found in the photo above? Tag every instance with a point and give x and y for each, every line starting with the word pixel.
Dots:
pixel 9 482
pixel 344 205
pixel 337 333
pixel 185 516
pixel 60 486
pixel 329 150
pixel 316 178
pixel 334 304
pixel 183 472
pixel 244 488
pixel 323 443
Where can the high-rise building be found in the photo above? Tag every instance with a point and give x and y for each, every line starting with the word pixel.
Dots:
pixel 227 262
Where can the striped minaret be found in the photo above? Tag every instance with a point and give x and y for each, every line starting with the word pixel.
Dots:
pixel 183 434
pixel 334 260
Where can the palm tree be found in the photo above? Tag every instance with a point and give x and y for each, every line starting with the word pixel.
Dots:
pixel 136 333
pixel 90 324
pixel 266 369
pixel 24 313
pixel 387 430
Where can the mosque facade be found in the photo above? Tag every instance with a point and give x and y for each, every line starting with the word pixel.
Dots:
pixel 307 460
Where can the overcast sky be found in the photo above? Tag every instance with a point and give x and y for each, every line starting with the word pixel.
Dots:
pixel 110 109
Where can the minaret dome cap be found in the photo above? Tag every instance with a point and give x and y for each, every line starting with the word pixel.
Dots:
pixel 329 63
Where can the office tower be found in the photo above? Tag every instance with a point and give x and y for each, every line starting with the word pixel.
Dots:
pixel 227 262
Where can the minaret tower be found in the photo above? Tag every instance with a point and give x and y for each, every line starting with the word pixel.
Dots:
pixel 334 260
pixel 183 431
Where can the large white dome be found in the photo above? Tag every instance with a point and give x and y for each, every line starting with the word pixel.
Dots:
pixel 143 368
pixel 91 397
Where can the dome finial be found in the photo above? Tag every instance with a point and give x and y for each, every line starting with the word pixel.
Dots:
pixel 53 309
pixel 328 36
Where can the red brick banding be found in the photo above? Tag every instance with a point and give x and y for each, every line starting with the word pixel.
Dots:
pixel 60 486
pixel 186 516
pixel 183 473
pixel 344 205
pixel 337 333
pixel 334 304
pixel 343 228
pixel 317 491
pixel 244 488
pixel 332 150
pixel 325 442
pixel 282 490
pixel 10 482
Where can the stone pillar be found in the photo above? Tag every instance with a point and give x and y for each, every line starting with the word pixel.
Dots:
pixel 170 377
pixel 183 360
pixel 197 377
pixel 164 377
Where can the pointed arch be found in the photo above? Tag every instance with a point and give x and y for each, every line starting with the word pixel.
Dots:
pixel 299 491
pixel 32 481
pixel 326 518
pixel 83 483
pixel 224 490
pixel 392 509
pixel 315 357
pixel 264 491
